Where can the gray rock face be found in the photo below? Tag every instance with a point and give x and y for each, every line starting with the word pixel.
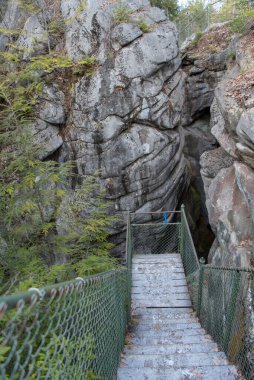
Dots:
pixel 51 108
pixel 200 85
pixel 228 172
pixel 154 49
pixel 12 19
pixel 33 38
pixel 124 34
pixel 47 136
pixel 126 117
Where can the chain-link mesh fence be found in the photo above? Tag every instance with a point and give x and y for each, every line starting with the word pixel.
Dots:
pixel 226 311
pixel 190 260
pixel 71 331
pixel 76 330
pixel 224 301
pixel 156 238
pixel 194 20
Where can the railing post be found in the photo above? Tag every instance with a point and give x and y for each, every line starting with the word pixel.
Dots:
pixel 182 235
pixel 129 260
pixel 231 308
pixel 200 287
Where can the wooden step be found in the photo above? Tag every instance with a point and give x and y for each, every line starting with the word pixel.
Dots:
pixel 166 340
pixel 227 372
pixel 177 348
pixel 183 339
pixel 174 360
pixel 166 326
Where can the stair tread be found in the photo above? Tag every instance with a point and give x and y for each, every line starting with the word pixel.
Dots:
pixel 176 348
pixel 166 340
pixel 227 372
pixel 175 360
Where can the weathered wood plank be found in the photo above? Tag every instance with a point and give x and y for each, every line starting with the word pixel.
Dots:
pixel 184 339
pixel 175 360
pixel 167 340
pixel 227 372
pixel 176 348
pixel 160 326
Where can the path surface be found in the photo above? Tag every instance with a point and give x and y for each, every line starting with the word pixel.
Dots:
pixel 167 341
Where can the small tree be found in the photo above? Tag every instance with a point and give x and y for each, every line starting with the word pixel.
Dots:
pixel 170 6
pixel 47 226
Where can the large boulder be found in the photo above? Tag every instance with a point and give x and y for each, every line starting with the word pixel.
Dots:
pixel 126 116
pixel 228 172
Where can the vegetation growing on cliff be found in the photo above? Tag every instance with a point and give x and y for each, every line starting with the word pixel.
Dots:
pixel 198 15
pixel 50 231
pixel 170 6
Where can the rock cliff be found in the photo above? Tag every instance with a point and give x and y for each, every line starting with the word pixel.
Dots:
pixel 135 119
pixel 227 171
pixel 124 119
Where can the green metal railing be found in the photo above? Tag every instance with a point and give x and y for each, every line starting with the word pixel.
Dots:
pixel 226 311
pixel 224 301
pixel 76 330
pixel 222 297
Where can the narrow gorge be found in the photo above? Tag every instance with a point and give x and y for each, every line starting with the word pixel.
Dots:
pixel 161 125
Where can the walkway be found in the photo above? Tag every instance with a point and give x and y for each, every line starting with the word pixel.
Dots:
pixel 167 341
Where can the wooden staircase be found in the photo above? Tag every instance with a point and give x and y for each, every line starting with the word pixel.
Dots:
pixel 166 341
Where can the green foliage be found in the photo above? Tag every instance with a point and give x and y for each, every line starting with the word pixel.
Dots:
pixel 44 222
pixel 47 227
pixel 241 22
pixel 80 9
pixel 231 55
pixel 240 15
pixel 142 24
pixel 171 6
pixel 3 352
pixel 49 362
pixel 28 6
pixel 192 19
pixel 197 37
pixel 122 14
pixel 56 28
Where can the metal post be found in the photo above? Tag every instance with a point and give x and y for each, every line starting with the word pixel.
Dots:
pixel 200 288
pixel 129 261
pixel 182 240
pixel 231 309
pixel 127 238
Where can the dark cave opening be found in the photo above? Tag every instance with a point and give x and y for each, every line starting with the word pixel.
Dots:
pixel 198 139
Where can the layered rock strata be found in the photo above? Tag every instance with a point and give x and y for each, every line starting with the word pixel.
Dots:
pixel 228 172
pixel 124 120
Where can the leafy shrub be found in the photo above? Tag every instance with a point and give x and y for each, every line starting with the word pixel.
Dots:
pixel 122 14
pixel 197 37
pixel 241 22
pixel 170 6
pixel 231 55
pixel 142 24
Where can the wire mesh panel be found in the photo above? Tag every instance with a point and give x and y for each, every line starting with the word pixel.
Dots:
pixel 227 313
pixel 155 238
pixel 74 331
pixel 188 251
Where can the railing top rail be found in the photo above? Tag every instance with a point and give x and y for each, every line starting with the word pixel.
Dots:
pixel 52 291
pixel 154 224
pixel 232 269
pixel 155 212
